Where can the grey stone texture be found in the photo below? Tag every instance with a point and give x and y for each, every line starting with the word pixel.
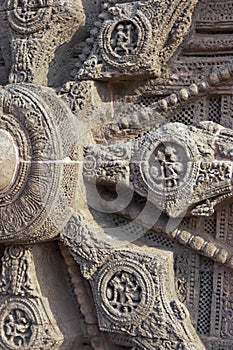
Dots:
pixel 116 157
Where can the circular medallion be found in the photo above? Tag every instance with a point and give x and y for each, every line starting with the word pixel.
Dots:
pixel 38 189
pixel 18 322
pixel 169 166
pixel 27 17
pixel 125 291
pixel 124 40
pixel 167 163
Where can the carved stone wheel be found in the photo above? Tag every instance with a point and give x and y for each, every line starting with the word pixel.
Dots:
pixel 116 173
pixel 38 175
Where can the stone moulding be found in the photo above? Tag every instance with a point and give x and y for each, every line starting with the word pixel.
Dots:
pixel 36 195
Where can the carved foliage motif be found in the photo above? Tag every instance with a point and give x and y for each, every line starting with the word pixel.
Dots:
pixel 35 29
pixel 99 165
pixel 86 244
pixel 39 142
pixel 24 53
pixel 76 94
pixel 177 166
pixel 15 276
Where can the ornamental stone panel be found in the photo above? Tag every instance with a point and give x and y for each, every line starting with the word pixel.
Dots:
pixel 116 150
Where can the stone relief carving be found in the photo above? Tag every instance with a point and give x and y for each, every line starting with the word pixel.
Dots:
pixel 26 320
pixel 126 39
pixel 175 166
pixel 117 142
pixel 37 196
pixel 34 31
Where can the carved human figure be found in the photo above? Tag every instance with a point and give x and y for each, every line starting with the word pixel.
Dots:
pixel 124 292
pixel 169 167
pixel 123 41
pixel 18 328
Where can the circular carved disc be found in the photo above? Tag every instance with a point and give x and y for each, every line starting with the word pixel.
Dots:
pixel 125 292
pixel 37 183
pixel 168 164
pixel 18 322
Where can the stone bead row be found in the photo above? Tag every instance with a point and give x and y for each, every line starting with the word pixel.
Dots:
pixel 206 248
pixel 83 298
pixel 220 76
